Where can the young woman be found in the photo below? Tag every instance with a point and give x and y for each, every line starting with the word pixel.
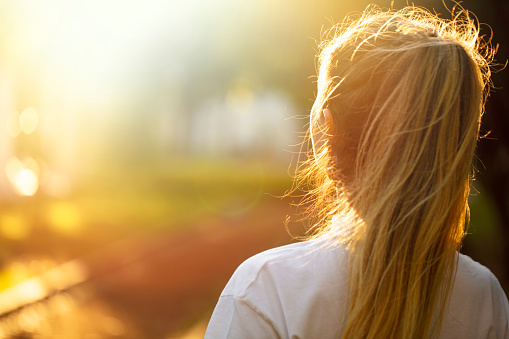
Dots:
pixel 394 129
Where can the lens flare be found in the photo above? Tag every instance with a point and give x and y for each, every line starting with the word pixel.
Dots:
pixel 24 176
pixel 26 182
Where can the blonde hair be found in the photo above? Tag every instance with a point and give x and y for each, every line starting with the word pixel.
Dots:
pixel 406 90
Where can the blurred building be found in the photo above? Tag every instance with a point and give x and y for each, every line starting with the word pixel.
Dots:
pixel 245 123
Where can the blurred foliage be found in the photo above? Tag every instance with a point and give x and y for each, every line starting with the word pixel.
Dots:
pixel 115 203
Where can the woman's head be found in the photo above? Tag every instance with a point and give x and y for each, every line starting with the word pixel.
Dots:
pixel 405 92
pixel 394 129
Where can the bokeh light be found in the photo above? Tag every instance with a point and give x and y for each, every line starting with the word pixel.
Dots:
pixel 14 226
pixel 28 120
pixel 64 217
pixel 24 176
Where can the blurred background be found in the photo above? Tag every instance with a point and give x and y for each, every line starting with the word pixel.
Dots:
pixel 145 145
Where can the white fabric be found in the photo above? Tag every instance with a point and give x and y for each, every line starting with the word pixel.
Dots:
pixel 298 291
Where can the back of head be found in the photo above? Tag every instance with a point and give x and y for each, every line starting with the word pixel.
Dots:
pixel 406 91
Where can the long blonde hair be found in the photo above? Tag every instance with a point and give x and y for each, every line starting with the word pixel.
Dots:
pixel 406 90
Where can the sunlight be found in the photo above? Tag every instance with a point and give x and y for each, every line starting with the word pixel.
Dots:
pixel 56 184
pixel 13 128
pixel 30 319
pixel 62 303
pixel 14 226
pixel 17 272
pixel 113 326
pixel 64 217
pixel 37 288
pixel 26 182
pixel 24 176
pixel 28 120
pixel 65 275
pixel 29 290
pixel 12 168
pixel 239 99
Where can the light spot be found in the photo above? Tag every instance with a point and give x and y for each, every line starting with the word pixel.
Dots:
pixel 239 99
pixel 31 290
pixel 26 182
pixel 113 326
pixel 57 184
pixel 64 217
pixel 29 319
pixel 32 165
pixel 61 303
pixel 65 275
pixel 17 272
pixel 14 226
pixel 28 120
pixel 24 176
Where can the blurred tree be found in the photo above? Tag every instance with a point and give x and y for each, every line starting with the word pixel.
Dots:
pixel 493 150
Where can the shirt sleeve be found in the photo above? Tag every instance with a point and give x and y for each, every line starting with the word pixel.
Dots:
pixel 500 310
pixel 236 318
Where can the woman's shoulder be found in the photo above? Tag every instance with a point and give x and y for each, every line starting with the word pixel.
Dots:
pixel 477 286
pixel 286 289
pixel 475 276
pixel 290 265
pixel 478 306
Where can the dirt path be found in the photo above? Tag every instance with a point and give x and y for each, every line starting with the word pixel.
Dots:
pixel 160 285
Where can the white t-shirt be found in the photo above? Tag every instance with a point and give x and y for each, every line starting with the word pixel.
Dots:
pixel 297 291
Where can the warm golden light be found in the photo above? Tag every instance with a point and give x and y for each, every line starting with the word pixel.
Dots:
pixel 56 184
pixel 28 120
pixel 14 226
pixel 65 275
pixel 12 168
pixel 26 182
pixel 64 217
pixel 13 129
pixel 34 289
pixel 31 164
pixel 24 176
pixel 30 319
pixel 113 326
pixel 30 289
pixel 61 303
pixel 239 99
pixel 104 142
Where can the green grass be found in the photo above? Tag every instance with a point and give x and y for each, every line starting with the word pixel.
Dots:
pixel 177 190
pixel 116 202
